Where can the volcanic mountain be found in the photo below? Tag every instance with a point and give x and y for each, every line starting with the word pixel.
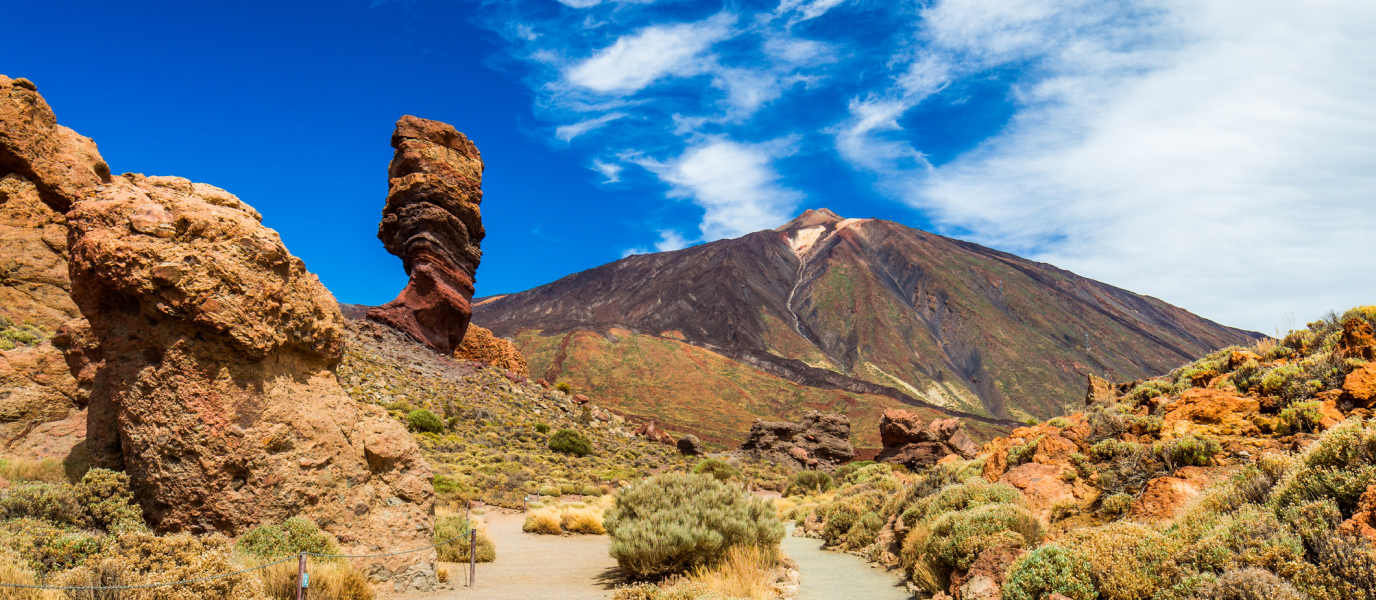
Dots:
pixel 853 315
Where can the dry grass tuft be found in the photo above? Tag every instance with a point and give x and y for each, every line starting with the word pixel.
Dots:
pixel 746 572
pixel 48 470
pixel 583 520
pixel 544 521
pixel 329 581
pixel 13 570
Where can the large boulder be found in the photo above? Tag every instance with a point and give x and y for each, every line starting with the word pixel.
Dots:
pixel 219 349
pixel 652 431
pixel 479 344
pixel 60 162
pixel 432 222
pixel 909 441
pixel 818 441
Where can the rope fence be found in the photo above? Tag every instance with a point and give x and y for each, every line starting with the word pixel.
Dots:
pixel 302 580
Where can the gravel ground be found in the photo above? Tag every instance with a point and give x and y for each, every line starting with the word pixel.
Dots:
pixel 533 567
pixel 839 576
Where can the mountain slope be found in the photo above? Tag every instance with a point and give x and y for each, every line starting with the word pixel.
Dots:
pixel 863 306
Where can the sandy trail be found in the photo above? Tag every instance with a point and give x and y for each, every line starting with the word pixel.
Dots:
pixel 838 576
pixel 533 567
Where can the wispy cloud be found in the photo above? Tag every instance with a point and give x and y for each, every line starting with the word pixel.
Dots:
pixel 734 183
pixel 639 59
pixel 611 172
pixel 568 132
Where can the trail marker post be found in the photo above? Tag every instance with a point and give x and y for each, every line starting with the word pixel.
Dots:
pixel 302 578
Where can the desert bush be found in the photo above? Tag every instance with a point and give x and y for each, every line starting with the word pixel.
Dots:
pixel 44 501
pixel 563 387
pixel 456 526
pixel 1050 569
pixel 1059 422
pixel 1187 451
pixel 1116 504
pixel 549 490
pixel 1348 565
pixel 295 535
pixel 746 573
pixel 1124 559
pixel 1147 390
pixel 13 570
pixel 544 521
pixel 957 538
pixel 860 471
pixel 542 427
pixel 582 520
pixel 108 501
pixel 570 442
pixel 590 490
pixel 1023 453
pixel 569 489
pixel 1112 449
pixel 673 523
pixel 718 469
pixel 808 483
pixel 1253 584
pixel 136 558
pixel 424 420
pixel 1339 466
pixel 1301 417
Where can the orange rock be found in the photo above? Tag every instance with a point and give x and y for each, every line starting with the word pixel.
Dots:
pixel 1043 486
pixel 1328 408
pixel 1215 412
pixel 1359 387
pixel 1357 340
pixel 1052 449
pixel 1163 497
pixel 1238 357
pixel 479 344
pixel 1363 522
pixel 1100 392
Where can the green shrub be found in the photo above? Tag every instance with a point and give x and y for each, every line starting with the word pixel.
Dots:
pixel 456 526
pixel 590 490
pixel 957 538
pixel 1116 504
pixel 447 485
pixel 563 387
pixel 549 490
pixel 863 532
pixel 1048 570
pixel 542 428
pixel 569 489
pixel 1125 559
pixel 295 535
pixel 424 420
pixel 807 483
pixel 718 469
pixel 1147 390
pixel 1059 422
pixel 571 442
pixel 1301 417
pixel 109 502
pixel 1023 453
pixel 1188 451
pixel 1253 584
pixel 672 523
pixel 1339 466
pixel 850 472
pixel 1113 449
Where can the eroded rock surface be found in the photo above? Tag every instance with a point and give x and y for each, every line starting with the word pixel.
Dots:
pixel 909 441
pixel 432 222
pixel 479 344
pixel 60 162
pixel 219 348
pixel 819 441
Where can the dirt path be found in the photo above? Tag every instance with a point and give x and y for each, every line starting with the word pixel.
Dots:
pixel 534 567
pixel 837 576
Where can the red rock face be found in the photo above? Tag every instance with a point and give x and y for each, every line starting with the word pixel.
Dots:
pixel 432 222
pixel 909 441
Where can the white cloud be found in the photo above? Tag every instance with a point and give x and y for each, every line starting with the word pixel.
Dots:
pixel 796 51
pixel 670 240
pixel 568 132
pixel 807 9
pixel 734 183
pixel 638 60
pixel 1220 156
pixel 611 171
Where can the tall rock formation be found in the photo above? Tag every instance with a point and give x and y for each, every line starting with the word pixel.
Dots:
pixel 44 168
pixel 219 353
pixel 431 221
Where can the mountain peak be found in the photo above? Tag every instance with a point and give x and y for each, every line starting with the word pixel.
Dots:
pixel 812 218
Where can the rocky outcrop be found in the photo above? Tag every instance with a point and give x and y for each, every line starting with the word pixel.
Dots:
pixel 819 441
pixel 432 222
pixel 690 445
pixel 44 168
pixel 1363 521
pixel 917 445
pixel 219 348
pixel 652 431
pixel 479 344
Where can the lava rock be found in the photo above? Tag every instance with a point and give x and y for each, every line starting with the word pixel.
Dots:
pixel 820 441
pixel 909 441
pixel 690 445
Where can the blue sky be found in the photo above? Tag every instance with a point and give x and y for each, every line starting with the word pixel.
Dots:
pixel 1218 155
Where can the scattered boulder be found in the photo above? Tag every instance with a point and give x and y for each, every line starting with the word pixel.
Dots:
pixel 651 431
pixel 1358 340
pixel 1359 387
pixel 480 345
pixel 431 221
pixel 580 399
pixel 219 349
pixel 819 441
pixel 690 445
pixel 1101 392
pixel 917 445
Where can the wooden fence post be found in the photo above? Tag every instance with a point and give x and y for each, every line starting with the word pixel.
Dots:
pixel 301 578
pixel 472 554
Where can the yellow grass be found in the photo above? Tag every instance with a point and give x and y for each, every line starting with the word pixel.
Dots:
pixel 784 508
pixel 545 520
pixel 12 570
pixel 747 572
pixel 582 520
pixel 20 469
pixel 332 581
